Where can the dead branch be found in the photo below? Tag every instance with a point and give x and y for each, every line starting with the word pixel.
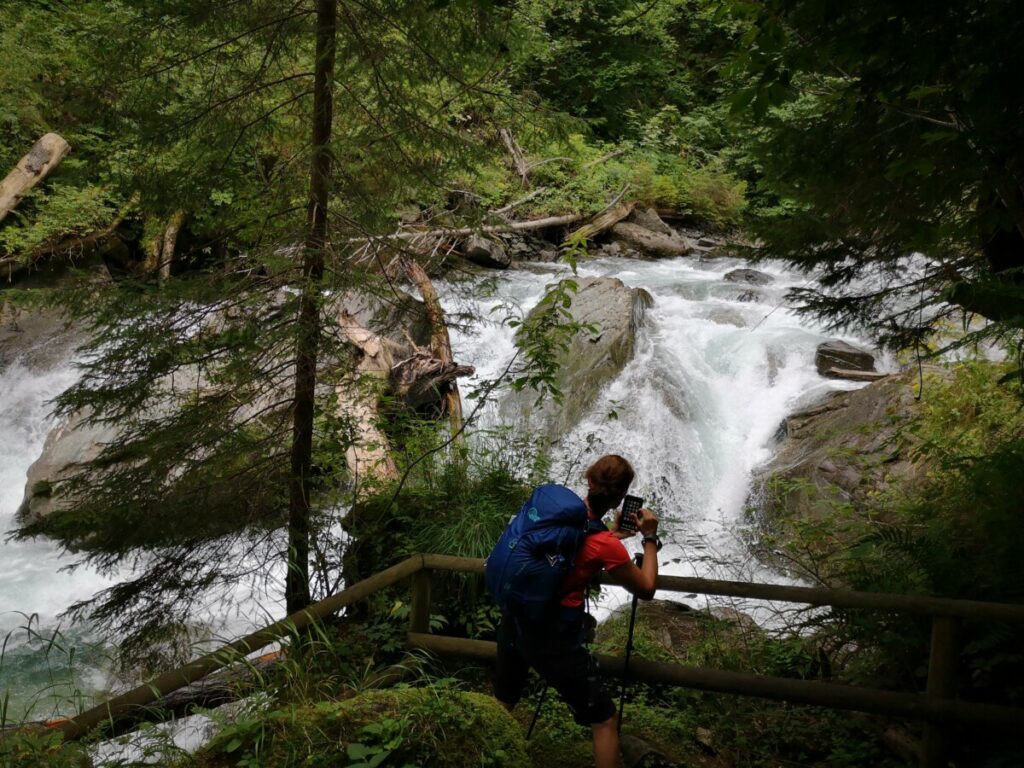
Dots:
pixel 440 343
pixel 516 153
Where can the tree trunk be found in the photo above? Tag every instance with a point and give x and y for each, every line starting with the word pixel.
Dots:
pixel 440 343
pixel 599 224
pixel 169 243
pixel 45 155
pixel 308 330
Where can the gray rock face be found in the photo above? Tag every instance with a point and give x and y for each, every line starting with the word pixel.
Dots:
pixel 750 276
pixel 486 253
pixel 648 218
pixel 845 448
pixel 67 448
pixel 592 360
pixel 651 244
pixel 840 355
pixel 36 339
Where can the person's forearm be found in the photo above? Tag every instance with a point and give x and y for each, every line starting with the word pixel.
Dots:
pixel 650 567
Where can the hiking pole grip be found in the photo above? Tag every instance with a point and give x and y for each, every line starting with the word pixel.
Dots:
pixel 638 559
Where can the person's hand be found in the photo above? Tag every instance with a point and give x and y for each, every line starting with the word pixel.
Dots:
pixel 616 530
pixel 647 522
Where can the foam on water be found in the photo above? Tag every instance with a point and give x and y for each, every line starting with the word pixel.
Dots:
pixel 32 579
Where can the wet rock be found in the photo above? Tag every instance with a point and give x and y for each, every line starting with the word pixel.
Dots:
pixel 68 447
pixel 842 450
pixel 36 339
pixel 651 244
pixel 593 360
pixel 648 218
pixel 486 253
pixel 750 297
pixel 727 316
pixel 750 276
pixel 836 354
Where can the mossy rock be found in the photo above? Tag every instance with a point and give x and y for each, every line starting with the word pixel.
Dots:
pixel 400 727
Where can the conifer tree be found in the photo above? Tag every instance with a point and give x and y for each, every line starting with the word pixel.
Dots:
pixel 214 389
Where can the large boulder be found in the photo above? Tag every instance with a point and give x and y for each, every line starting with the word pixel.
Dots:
pixel 486 253
pixel 648 242
pixel 648 218
pixel 68 446
pixel 592 360
pixel 667 630
pixel 836 355
pixel 839 452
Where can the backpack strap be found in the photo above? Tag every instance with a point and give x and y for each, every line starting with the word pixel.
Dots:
pixel 595 526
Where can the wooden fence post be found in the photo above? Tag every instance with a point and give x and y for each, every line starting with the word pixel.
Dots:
pixel 419 613
pixel 942 684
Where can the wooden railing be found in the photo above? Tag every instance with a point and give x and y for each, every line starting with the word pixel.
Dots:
pixel 938 706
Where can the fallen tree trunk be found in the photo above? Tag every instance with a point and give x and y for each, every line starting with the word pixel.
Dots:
pixel 414 378
pixel 45 155
pixel 369 455
pixel 604 221
pixel 440 343
pixel 515 226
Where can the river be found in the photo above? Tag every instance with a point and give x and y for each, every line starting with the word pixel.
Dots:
pixel 695 411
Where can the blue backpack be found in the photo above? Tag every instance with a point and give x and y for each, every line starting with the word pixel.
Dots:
pixel 538 547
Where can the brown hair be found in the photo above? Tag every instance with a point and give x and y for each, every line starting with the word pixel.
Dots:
pixel 609 478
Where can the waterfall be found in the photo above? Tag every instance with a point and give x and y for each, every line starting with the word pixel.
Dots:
pixel 713 375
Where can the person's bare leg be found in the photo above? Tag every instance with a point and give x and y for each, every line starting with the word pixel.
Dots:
pixel 606 743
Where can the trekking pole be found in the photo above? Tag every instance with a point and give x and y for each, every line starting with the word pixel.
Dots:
pixel 639 560
pixel 536 713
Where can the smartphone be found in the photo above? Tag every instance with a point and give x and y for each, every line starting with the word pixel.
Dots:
pixel 631 506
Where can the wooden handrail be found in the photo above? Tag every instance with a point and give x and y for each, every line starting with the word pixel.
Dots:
pixel 150 693
pixel 813 692
pixel 936 706
pixel 838 598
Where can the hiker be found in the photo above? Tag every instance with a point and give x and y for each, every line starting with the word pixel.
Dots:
pixel 543 627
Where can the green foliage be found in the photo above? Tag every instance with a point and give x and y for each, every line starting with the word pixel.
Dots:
pixel 41 749
pixel 887 132
pixel 613 63
pixel 411 726
pixel 454 505
pixel 957 532
pixel 666 168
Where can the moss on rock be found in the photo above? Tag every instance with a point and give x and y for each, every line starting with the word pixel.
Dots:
pixel 411 726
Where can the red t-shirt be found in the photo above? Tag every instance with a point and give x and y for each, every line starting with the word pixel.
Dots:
pixel 600 550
